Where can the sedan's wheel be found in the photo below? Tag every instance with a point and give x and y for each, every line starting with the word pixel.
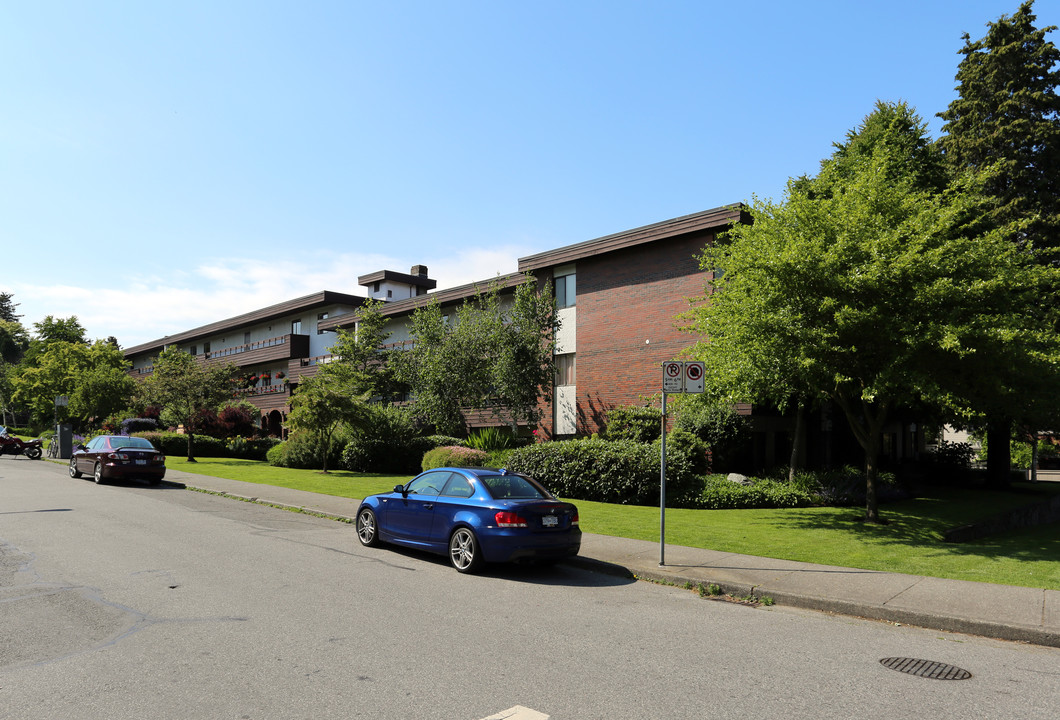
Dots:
pixel 74 472
pixel 367 532
pixel 464 552
pixel 98 474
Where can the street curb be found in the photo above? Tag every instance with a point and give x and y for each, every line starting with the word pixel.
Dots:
pixel 929 621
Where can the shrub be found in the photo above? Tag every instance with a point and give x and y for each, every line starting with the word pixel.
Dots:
pixel 491 438
pixel 251 448
pixel 625 471
pixel 128 426
pixel 719 425
pixel 237 419
pixel 388 442
pixel 176 444
pixel 719 493
pixel 453 456
pixel 302 450
pixel 686 464
pixel 628 422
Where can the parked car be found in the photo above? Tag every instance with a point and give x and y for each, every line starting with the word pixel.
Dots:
pixel 118 457
pixel 474 516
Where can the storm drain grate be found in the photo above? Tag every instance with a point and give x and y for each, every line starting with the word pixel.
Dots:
pixel 925 668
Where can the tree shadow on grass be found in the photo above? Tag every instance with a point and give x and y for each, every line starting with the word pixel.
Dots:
pixel 920 524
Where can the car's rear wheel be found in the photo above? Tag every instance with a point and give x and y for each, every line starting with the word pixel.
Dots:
pixel 464 551
pixel 367 529
pixel 74 472
pixel 98 474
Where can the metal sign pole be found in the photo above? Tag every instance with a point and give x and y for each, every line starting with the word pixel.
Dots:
pixel 662 489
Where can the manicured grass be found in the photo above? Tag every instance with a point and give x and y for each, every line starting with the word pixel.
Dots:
pixel 341 483
pixel 910 543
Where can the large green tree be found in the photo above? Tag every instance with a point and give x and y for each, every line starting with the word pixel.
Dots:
pixel 1006 117
pixel 1004 125
pixel 866 287
pixel 61 368
pixel 360 362
pixel 494 354
pixel 184 387
pixel 320 408
pixel 7 307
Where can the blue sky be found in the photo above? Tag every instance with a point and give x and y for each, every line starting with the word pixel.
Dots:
pixel 163 166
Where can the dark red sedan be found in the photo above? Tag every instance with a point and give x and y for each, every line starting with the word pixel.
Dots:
pixel 118 457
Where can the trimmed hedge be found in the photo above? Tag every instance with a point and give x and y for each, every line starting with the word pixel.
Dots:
pixel 719 493
pixel 176 444
pixel 623 472
pixel 301 450
pixel 454 456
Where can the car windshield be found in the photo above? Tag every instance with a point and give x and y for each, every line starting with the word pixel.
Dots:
pixel 130 442
pixel 513 487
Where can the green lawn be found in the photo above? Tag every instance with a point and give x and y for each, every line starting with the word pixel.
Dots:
pixel 910 543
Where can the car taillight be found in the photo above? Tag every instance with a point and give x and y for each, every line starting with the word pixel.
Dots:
pixel 509 519
pixel 574 520
pixel 160 458
pixel 117 456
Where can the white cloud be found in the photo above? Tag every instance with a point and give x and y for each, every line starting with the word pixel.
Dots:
pixel 145 308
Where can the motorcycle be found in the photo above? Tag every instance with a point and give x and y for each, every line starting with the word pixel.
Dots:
pixel 11 445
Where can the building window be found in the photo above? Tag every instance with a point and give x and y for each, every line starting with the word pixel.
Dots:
pixel 566 369
pixel 206 348
pixel 566 291
pixel 321 316
pixel 193 350
pixel 246 338
pixel 296 327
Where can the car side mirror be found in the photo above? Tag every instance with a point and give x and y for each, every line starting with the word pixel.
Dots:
pixel 80 447
pixel 400 489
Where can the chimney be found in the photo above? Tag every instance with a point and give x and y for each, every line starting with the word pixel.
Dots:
pixel 420 270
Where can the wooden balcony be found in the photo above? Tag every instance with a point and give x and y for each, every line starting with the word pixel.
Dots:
pixel 284 347
pixel 305 367
pixel 270 397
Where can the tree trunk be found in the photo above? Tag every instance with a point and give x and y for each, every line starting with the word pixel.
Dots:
pixel 867 426
pixel 191 440
pixel 998 452
pixel 872 475
pixel 795 462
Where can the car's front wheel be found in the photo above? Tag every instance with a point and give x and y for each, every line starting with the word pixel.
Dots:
pixel 367 529
pixel 74 472
pixel 464 551
pixel 98 474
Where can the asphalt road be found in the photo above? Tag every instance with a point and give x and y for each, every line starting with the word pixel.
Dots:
pixel 126 601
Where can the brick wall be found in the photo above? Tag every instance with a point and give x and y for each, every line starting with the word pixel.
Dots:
pixel 627 304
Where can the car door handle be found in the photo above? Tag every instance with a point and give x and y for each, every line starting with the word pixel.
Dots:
pixel 428 506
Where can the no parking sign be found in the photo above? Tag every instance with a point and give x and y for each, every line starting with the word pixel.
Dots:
pixel 683 377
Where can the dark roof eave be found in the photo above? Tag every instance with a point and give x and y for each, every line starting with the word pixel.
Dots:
pixel 720 217
pixel 388 275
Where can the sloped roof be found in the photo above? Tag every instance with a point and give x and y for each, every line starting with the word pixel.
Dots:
pixel 320 299
pixel 698 222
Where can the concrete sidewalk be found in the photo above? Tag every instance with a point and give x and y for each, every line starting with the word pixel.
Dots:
pixel 998 611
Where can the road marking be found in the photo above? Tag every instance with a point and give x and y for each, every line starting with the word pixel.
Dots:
pixel 518 713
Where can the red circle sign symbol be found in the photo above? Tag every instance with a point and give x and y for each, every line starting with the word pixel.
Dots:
pixel 695 372
pixel 673 369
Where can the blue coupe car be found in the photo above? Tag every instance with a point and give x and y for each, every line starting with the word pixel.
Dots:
pixel 473 515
